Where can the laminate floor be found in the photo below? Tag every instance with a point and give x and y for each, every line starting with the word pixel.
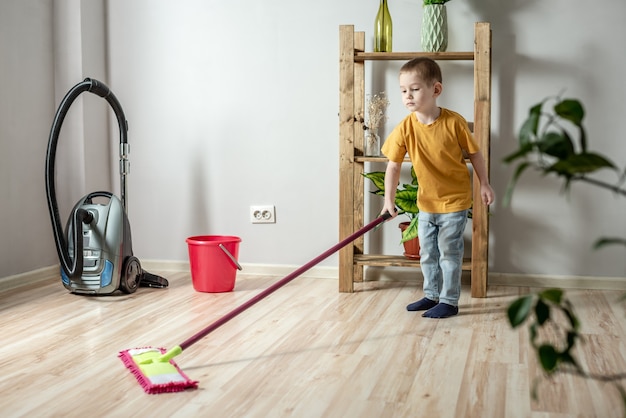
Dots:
pixel 305 351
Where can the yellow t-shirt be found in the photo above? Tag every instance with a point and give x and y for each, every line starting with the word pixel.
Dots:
pixel 436 152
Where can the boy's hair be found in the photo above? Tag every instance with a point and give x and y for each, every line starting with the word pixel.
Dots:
pixel 426 69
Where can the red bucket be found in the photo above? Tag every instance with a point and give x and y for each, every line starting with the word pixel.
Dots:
pixel 212 269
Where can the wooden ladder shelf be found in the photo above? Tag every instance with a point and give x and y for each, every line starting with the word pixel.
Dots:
pixel 352 259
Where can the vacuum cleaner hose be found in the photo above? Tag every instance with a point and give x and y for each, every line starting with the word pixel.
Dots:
pixel 74 267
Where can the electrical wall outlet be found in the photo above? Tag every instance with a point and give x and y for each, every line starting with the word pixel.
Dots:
pixel 263 214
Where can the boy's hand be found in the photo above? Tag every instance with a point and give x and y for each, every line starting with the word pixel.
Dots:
pixel 487 194
pixel 393 211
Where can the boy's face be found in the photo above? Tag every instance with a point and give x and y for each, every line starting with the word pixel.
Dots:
pixel 417 95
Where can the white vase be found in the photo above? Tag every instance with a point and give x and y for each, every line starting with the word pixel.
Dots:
pixel 435 28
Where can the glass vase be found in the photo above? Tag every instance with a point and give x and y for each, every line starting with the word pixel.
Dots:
pixel 372 144
pixel 435 28
pixel 383 29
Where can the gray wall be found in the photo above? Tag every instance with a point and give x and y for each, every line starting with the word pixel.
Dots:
pixel 26 103
pixel 235 103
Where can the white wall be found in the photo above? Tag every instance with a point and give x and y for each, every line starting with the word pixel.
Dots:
pixel 26 99
pixel 235 103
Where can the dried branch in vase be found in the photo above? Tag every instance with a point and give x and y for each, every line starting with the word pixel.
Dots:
pixel 376 108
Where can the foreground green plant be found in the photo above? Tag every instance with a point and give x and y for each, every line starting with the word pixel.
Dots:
pixel 550 317
pixel 546 145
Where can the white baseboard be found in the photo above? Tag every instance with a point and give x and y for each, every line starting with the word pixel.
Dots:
pixel 321 272
pixel 34 276
pixel 563 282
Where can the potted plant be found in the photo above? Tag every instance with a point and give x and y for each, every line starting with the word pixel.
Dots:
pixel 553 141
pixel 406 202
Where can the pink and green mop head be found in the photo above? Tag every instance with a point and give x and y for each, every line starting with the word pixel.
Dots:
pixel 155 371
pixel 155 368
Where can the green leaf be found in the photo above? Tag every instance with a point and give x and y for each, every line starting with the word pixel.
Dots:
pixel 519 310
pixel 583 139
pixel 533 334
pixel 573 320
pixel 528 131
pixel 581 164
pixel 608 241
pixel 571 339
pixel 570 109
pixel 521 152
pixel 553 295
pixel 542 311
pixel 406 200
pixel 377 177
pixel 566 357
pixel 549 357
pixel 511 186
pixel 556 144
pixel 411 231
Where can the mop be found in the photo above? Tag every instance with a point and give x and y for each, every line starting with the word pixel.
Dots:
pixel 155 369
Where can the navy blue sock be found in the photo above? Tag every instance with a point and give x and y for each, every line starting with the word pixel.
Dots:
pixel 421 305
pixel 441 310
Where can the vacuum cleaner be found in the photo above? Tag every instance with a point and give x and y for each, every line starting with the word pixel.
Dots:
pixel 95 249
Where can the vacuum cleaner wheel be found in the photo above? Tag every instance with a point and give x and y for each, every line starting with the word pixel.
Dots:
pixel 131 275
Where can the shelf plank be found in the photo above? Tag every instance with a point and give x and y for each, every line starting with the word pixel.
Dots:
pixel 382 260
pixel 405 56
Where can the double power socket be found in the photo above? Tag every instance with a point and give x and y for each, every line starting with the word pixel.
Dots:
pixel 263 214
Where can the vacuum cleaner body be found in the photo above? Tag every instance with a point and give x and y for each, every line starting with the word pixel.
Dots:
pixel 95 248
pixel 107 247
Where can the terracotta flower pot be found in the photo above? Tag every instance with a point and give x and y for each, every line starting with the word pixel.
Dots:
pixel 411 247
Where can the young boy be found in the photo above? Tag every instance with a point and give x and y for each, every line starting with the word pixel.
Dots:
pixel 435 139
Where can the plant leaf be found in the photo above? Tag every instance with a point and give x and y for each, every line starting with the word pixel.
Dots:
pixel 519 310
pixel 571 317
pixel 571 339
pixel 521 152
pixel 572 110
pixel 542 311
pixel 556 144
pixel 580 164
pixel 548 357
pixel 377 177
pixel 528 131
pixel 511 186
pixel 553 295
pixel 411 231
pixel 533 333
pixel 406 200
pixel 608 241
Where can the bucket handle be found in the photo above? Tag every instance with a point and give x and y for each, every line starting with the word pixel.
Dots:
pixel 233 259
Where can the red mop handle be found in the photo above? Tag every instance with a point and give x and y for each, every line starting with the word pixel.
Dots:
pixel 192 340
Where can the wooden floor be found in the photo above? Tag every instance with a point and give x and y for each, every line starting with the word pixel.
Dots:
pixel 305 351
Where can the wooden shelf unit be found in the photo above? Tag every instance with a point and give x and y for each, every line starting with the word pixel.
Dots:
pixel 352 57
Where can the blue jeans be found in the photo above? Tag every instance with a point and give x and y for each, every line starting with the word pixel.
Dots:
pixel 441 254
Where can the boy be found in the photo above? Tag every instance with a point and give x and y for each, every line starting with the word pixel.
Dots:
pixel 435 139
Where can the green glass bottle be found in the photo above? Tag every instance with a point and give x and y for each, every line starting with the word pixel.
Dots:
pixel 383 29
